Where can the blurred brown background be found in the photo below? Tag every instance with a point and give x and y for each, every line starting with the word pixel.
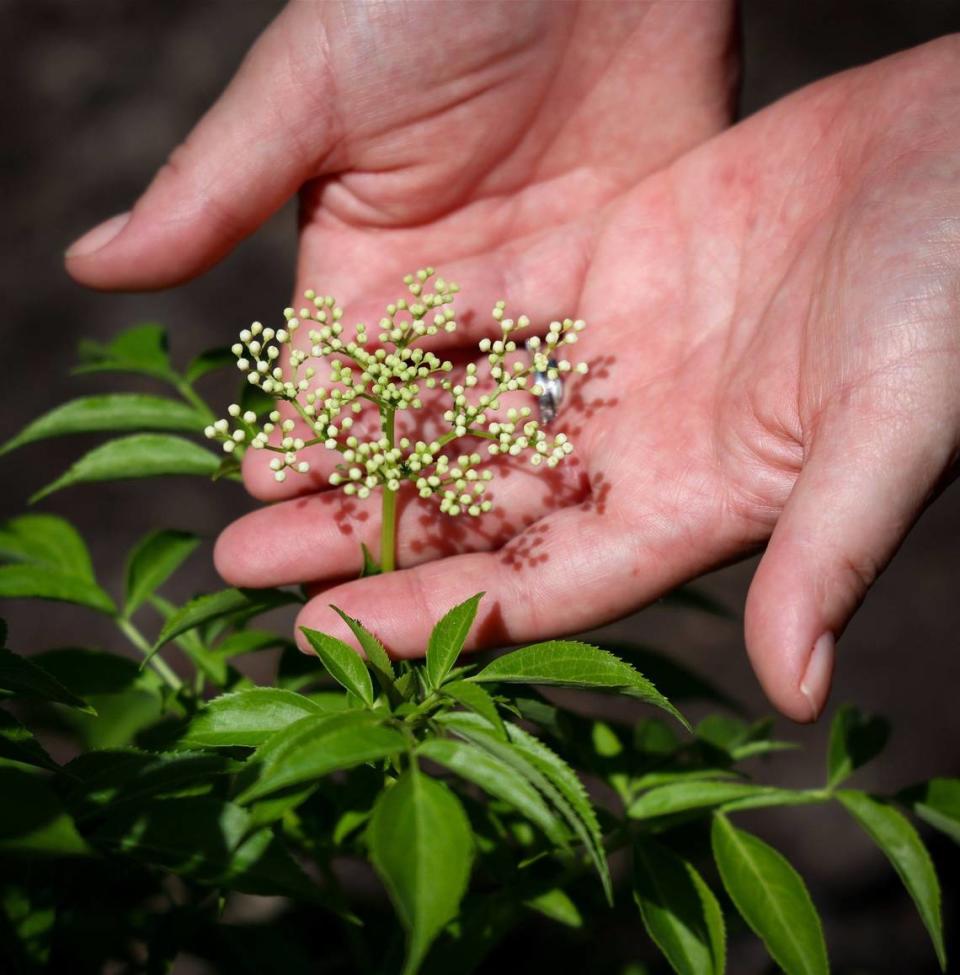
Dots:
pixel 96 94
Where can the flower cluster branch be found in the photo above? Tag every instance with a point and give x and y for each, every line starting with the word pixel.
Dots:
pixel 333 377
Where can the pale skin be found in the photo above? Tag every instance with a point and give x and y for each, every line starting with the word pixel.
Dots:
pixel 773 308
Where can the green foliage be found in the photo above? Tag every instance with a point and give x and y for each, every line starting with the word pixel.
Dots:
pixel 114 412
pixel 771 897
pixel 855 739
pixel 679 910
pixel 421 844
pixel 891 831
pixel 572 664
pixel 447 640
pixel 462 785
pixel 343 663
pixel 152 562
pixel 139 455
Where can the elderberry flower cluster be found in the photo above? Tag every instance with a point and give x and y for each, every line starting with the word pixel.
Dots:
pixel 332 380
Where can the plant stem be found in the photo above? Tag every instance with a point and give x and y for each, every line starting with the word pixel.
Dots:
pixel 388 523
pixel 158 663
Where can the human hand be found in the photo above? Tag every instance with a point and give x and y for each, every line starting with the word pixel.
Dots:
pixel 458 128
pixel 775 345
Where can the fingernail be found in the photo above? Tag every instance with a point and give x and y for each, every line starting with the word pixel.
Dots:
pixel 815 685
pixel 100 236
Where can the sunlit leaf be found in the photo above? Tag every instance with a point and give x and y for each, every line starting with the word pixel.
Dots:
pixel 316 745
pixel 24 581
pixel 377 659
pixel 46 540
pixel 140 455
pixel 557 905
pixel 447 639
pixel 937 803
pixel 343 663
pixel 114 412
pixel 246 717
pixel 570 663
pixel 497 778
pixel 679 910
pixel 676 797
pixel 141 349
pixel 771 897
pixel 227 602
pixel 474 698
pixel 892 832
pixel 422 846
pixel 153 561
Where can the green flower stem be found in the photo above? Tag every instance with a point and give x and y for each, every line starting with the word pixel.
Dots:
pixel 157 662
pixel 388 523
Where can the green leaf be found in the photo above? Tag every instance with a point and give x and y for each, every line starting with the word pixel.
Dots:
pixel 679 910
pixel 448 638
pixel 422 846
pixel 17 744
pixel 142 349
pixel 32 820
pixel 250 641
pixel 20 677
pixel 572 664
pixel 209 361
pixel 574 797
pixel 343 663
pixel 246 717
pixel 855 739
pixel 104 780
pixel 677 797
pixel 113 412
pixel 496 778
pixel 29 912
pixel 215 605
pixel 316 745
pixel 474 698
pixel 548 773
pixel 901 844
pixel 141 455
pixel 127 699
pixel 46 540
pixel 153 561
pixel 772 898
pixel 377 659
pixel 36 582
pixel 556 905
pixel 209 840
pixel 936 802
pixel 370 565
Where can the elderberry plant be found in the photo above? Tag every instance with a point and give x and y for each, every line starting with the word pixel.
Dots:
pixel 140 801
pixel 333 380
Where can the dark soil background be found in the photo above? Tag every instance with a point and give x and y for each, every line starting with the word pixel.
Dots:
pixel 95 95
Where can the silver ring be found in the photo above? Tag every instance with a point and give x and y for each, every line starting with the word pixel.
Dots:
pixel 552 396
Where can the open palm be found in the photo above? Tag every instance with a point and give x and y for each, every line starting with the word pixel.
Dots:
pixel 773 354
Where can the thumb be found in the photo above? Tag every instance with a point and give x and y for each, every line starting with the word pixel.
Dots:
pixel 861 488
pixel 249 153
